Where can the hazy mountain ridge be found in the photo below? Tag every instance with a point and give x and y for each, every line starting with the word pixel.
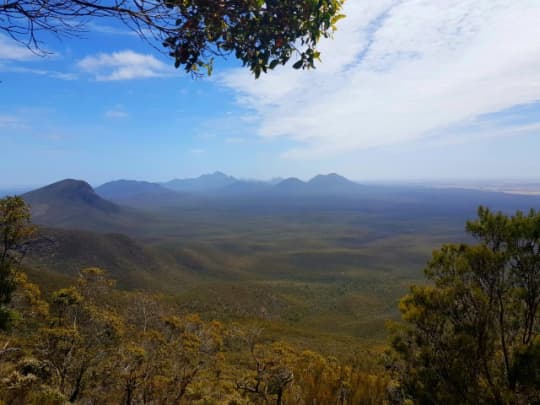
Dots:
pixel 123 189
pixel 218 182
pixel 70 198
pixel 203 183
pixel 146 195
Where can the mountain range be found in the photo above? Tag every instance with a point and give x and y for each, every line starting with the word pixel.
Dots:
pixel 219 182
pixel 126 205
pixel 146 195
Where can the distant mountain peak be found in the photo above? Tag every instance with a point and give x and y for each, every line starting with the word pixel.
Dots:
pixel 290 184
pixel 292 180
pixel 216 175
pixel 330 178
pixel 65 196
pixel 320 184
pixel 67 188
pixel 204 183
pixel 70 183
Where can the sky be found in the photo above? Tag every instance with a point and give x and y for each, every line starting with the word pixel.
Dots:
pixel 410 90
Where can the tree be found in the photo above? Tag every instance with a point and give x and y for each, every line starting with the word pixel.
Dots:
pixel 262 34
pixel 83 333
pixel 15 231
pixel 272 372
pixel 473 335
pixel 91 343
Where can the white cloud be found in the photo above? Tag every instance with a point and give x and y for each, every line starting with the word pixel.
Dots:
pixel 116 30
pixel 400 71
pixel 484 133
pixel 13 51
pixel 63 75
pixel 14 57
pixel 107 29
pixel 123 65
pixel 41 72
pixel 116 113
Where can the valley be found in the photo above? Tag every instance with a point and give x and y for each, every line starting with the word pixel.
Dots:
pixel 322 263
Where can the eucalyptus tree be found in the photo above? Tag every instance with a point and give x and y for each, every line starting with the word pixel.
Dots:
pixel 15 231
pixel 262 34
pixel 472 335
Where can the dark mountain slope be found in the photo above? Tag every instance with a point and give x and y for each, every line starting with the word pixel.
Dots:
pixel 67 194
pixel 74 204
pixel 66 252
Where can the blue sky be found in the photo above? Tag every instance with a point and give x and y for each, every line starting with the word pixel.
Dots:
pixel 407 90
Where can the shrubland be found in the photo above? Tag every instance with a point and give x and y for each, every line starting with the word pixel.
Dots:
pixel 91 343
pixel 469 333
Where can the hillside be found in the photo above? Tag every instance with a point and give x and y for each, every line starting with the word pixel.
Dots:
pixel 74 204
pixel 66 252
pixel 58 255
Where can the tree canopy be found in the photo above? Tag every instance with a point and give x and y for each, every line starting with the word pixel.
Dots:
pixel 15 230
pixel 473 334
pixel 261 34
pixel 90 343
